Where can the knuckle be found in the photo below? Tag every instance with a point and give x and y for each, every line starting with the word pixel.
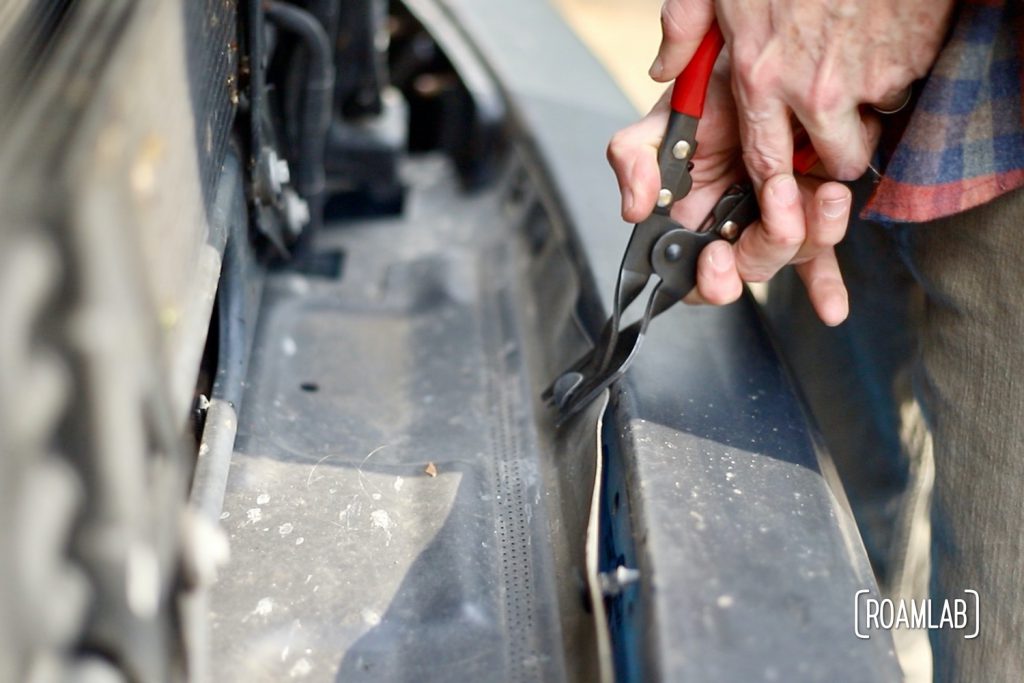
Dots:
pixel 852 164
pixel 618 148
pixel 758 275
pixel 820 106
pixel 762 163
pixel 782 236
pixel 744 58
pixel 820 240
pixel 719 293
pixel 756 72
pixel 671 24
pixel 783 240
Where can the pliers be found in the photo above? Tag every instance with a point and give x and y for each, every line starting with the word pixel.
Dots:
pixel 659 246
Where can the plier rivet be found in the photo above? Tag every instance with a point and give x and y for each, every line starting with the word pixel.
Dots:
pixel 681 150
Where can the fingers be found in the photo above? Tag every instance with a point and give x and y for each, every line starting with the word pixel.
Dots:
pixel 633 156
pixel 771 243
pixel 825 288
pixel 718 283
pixel 827 210
pixel 762 250
pixel 828 214
pixel 683 25
pixel 767 246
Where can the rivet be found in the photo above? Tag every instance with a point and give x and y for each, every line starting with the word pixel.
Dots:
pixel 664 197
pixel 729 230
pixel 681 150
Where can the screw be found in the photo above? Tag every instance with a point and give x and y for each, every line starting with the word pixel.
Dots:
pixel 681 150
pixel 729 230
pixel 664 197
pixel 673 253
pixel 612 583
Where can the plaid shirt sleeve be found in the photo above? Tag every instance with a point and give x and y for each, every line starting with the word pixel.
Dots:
pixel 964 143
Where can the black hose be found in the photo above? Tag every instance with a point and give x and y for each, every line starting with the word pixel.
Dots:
pixel 316 110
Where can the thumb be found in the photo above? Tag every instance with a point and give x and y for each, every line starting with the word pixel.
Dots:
pixel 683 25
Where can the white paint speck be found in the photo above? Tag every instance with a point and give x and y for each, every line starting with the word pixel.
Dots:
pixel 699 519
pixel 285 528
pixel 254 515
pixel 370 618
pixel 382 520
pixel 301 668
pixel 225 514
pixel 375 496
pixel 288 346
pixel 738 492
pixel 725 601
pixel 264 607
pixel 300 540
pixel 399 483
pixel 729 476
pixel 263 499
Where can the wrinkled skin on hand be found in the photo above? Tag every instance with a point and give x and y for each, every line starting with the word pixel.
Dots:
pixel 815 61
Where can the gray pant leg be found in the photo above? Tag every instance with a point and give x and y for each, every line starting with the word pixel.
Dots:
pixel 970 379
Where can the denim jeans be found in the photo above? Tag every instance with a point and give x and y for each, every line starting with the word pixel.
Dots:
pixel 937 321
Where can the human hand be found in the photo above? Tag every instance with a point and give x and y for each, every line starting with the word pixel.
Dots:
pixel 801 218
pixel 817 59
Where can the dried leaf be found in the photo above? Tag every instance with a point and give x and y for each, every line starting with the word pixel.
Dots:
pixel 431 469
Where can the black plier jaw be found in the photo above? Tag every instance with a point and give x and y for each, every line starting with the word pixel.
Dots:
pixel 659 248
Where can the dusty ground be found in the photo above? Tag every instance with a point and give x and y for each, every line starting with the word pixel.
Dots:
pixel 624 34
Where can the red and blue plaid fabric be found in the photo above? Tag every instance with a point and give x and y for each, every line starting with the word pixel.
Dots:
pixel 964 143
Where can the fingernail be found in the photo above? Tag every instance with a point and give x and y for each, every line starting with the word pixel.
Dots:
pixel 784 189
pixel 834 208
pixel 627 200
pixel 656 68
pixel 837 308
pixel 720 257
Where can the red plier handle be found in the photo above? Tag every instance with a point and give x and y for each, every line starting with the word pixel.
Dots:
pixel 691 86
